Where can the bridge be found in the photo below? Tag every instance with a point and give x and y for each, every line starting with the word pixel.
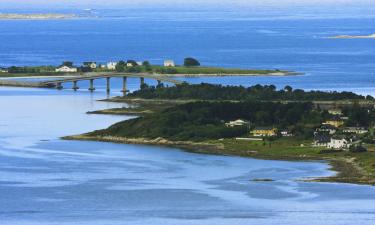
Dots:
pixel 75 78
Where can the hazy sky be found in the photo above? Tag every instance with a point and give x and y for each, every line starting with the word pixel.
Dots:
pixel 108 3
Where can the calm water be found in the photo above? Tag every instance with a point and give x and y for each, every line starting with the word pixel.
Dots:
pixel 248 38
pixel 44 180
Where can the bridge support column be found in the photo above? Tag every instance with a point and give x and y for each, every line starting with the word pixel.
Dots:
pixel 91 88
pixel 124 84
pixel 108 84
pixel 75 86
pixel 59 85
pixel 142 82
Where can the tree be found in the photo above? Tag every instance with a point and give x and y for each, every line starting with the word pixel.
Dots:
pixel 68 63
pixel 288 88
pixel 133 62
pixel 146 63
pixel 147 66
pixel 191 62
pixel 120 67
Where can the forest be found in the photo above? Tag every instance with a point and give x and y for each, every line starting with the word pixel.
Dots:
pixel 258 92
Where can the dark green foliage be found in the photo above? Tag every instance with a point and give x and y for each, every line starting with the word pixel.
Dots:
pixel 68 63
pixel 205 120
pixel 191 62
pixel 39 69
pixel 257 92
pixel 357 149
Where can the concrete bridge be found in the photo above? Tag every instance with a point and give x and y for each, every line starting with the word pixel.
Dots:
pixel 58 83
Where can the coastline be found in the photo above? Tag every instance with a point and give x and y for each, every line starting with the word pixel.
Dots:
pixel 346 170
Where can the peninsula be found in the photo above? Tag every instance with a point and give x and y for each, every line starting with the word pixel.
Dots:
pixel 39 16
pixel 259 121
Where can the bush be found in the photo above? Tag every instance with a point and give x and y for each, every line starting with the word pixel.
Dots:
pixel 357 149
pixel 191 62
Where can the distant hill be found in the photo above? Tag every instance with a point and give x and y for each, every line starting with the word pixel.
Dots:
pixel 349 36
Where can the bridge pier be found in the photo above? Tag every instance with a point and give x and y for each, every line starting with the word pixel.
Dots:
pixel 91 88
pixel 124 84
pixel 108 84
pixel 59 86
pixel 142 82
pixel 75 86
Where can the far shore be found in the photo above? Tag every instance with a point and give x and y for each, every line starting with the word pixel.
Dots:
pixel 372 36
pixel 35 16
pixel 27 76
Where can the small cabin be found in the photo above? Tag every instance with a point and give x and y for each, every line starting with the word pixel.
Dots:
pixel 169 63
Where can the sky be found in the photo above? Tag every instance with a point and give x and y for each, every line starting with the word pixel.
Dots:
pixel 180 3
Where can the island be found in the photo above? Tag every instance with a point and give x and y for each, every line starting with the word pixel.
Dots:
pixel 32 16
pixel 258 121
pixel 168 69
pixel 372 36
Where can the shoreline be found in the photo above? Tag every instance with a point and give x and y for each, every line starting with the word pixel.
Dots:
pixel 345 169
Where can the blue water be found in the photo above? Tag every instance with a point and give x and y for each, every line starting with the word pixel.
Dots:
pixel 228 38
pixel 48 181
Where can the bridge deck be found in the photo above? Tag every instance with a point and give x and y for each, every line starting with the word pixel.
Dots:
pixel 105 75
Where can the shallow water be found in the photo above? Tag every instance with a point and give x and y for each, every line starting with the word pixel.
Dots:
pixel 45 180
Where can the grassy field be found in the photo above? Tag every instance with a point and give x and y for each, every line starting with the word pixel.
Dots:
pixel 220 71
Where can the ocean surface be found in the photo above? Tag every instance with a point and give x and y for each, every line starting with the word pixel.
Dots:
pixel 293 39
pixel 48 181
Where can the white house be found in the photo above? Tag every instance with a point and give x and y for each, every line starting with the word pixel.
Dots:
pixel 339 143
pixel 286 133
pixel 169 63
pixel 236 123
pixel 66 69
pixel 355 130
pixel 92 65
pixel 326 128
pixel 129 64
pixel 111 65
pixel 3 70
pixel 321 140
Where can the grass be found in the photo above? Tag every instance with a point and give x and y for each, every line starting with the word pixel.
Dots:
pixel 218 70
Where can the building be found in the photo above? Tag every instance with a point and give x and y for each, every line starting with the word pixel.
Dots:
pixel 3 70
pixel 169 63
pixel 92 65
pixel 286 133
pixel 321 140
pixel 355 130
pixel 236 123
pixel 342 142
pixel 66 69
pixel 129 64
pixel 264 132
pixel 334 122
pixel 326 128
pixel 336 112
pixel 111 65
